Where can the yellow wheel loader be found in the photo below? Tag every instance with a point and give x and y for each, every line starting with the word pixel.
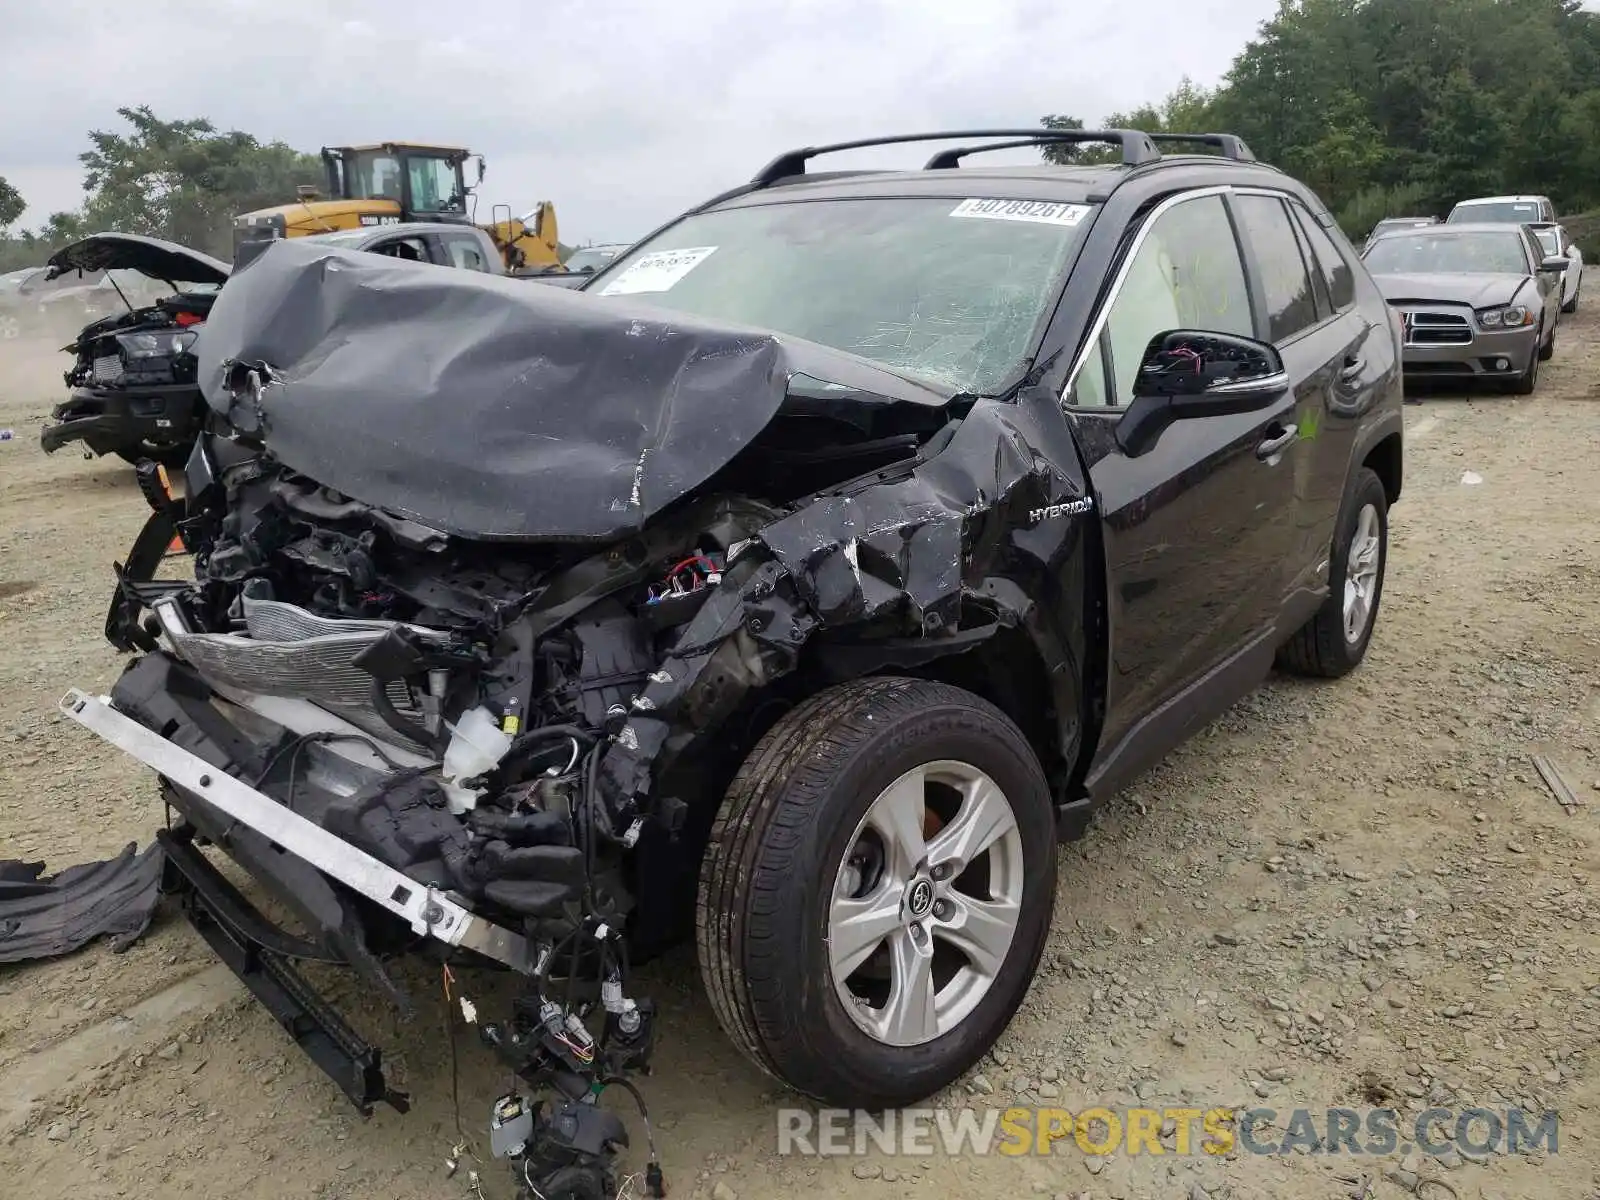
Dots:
pixel 398 182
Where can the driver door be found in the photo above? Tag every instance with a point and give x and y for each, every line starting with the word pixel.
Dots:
pixel 1198 528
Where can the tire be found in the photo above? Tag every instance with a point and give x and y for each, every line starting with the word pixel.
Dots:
pixel 1524 384
pixel 777 855
pixel 1322 647
pixel 1571 306
pixel 1547 350
pixel 174 454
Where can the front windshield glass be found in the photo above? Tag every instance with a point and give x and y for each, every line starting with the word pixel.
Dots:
pixel 1448 253
pixel 1514 212
pixel 591 258
pixel 952 291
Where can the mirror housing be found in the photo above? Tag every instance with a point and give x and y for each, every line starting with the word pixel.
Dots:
pixel 1189 373
pixel 1555 263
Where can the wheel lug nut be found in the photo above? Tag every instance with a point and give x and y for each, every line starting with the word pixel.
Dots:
pixel 942 910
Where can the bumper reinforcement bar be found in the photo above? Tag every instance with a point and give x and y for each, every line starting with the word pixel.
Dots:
pixel 254 950
pixel 427 911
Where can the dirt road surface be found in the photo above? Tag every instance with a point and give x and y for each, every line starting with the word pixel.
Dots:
pixel 1353 894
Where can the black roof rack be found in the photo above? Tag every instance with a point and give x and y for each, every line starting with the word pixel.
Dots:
pixel 1229 144
pixel 946 159
pixel 1137 148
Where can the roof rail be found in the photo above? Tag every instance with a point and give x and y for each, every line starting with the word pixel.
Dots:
pixel 946 159
pixel 1231 145
pixel 1137 148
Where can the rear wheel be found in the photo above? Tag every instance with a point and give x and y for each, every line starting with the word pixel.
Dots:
pixel 1334 642
pixel 877 891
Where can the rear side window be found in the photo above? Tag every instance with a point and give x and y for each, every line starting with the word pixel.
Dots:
pixel 1286 284
pixel 466 253
pixel 1334 266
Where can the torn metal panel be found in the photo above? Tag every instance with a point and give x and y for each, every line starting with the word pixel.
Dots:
pixel 45 916
pixel 542 414
pixel 972 531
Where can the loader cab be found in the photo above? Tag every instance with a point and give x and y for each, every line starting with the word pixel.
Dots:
pixel 425 183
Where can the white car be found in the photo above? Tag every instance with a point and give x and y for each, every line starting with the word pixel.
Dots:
pixel 1555 240
pixel 1510 210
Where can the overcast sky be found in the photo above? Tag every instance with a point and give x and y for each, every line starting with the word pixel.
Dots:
pixel 622 112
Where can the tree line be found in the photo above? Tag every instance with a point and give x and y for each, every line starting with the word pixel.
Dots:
pixel 184 181
pixel 1403 107
pixel 1385 107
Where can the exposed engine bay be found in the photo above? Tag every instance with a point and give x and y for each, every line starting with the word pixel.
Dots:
pixel 144 347
pixel 469 680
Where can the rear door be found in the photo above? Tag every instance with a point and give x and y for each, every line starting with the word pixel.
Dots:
pixel 1337 357
pixel 1196 529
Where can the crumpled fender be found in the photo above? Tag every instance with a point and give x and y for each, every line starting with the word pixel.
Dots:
pixel 949 549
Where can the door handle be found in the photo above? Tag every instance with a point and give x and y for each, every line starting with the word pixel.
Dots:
pixel 1354 364
pixel 1275 445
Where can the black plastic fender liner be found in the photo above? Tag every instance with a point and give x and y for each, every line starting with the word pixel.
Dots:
pixel 45 916
pixel 260 955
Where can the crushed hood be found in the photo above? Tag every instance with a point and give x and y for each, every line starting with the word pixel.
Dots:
pixel 1478 290
pixel 166 261
pixel 493 408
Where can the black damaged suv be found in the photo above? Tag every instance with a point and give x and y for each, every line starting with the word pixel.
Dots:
pixel 795 584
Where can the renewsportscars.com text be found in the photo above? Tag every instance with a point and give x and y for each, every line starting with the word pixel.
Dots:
pixel 1104 1130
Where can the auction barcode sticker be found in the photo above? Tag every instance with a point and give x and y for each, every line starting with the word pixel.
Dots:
pixel 1042 212
pixel 657 272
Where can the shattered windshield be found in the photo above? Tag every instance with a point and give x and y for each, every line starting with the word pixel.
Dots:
pixel 952 291
pixel 1448 253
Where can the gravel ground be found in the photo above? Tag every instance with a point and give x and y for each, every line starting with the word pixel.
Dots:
pixel 1337 895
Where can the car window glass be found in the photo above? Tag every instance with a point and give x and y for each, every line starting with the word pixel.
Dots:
pixel 1090 390
pixel 1335 268
pixel 1186 275
pixel 1285 282
pixel 465 253
pixel 1319 281
pixel 410 249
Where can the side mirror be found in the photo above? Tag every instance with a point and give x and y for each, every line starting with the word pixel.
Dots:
pixel 1189 373
pixel 1556 263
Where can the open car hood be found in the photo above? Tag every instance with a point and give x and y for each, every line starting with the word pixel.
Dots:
pixel 495 409
pixel 165 261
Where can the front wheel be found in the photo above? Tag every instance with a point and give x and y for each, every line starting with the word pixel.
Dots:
pixel 877 891
pixel 1334 642
pixel 1527 383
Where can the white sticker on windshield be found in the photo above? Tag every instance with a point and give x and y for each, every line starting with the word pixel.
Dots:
pixel 659 271
pixel 1041 212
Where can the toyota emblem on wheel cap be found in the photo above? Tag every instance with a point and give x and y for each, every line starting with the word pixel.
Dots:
pixel 921 898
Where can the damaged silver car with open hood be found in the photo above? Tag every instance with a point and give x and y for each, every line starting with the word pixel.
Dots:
pixel 132 387
pixel 792 588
